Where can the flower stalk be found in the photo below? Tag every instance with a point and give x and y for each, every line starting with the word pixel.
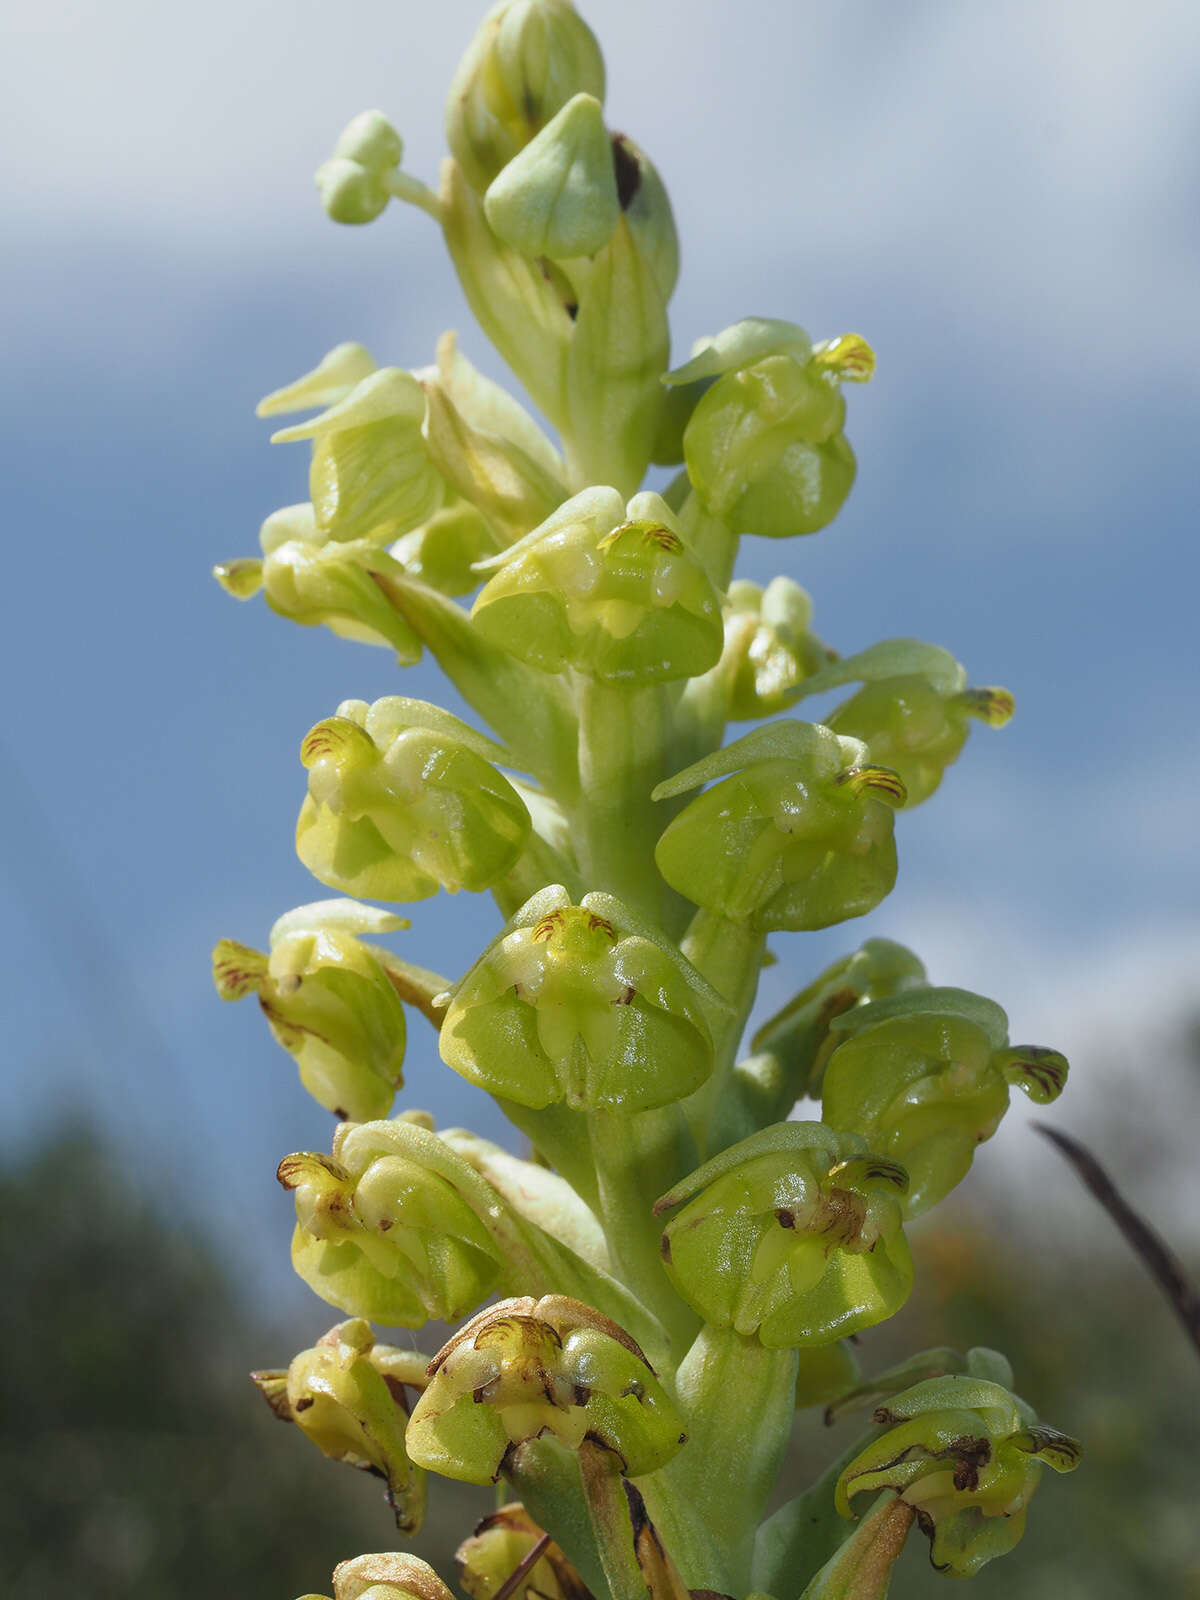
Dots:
pixel 684 1250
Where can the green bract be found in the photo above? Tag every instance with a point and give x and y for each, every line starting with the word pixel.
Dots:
pixel 967 1455
pixel 403 799
pixel 925 1077
pixel 637 862
pixel 606 588
pixel 793 1234
pixel 329 1001
pixel 526 1368
pixel 800 837
pixel 576 1003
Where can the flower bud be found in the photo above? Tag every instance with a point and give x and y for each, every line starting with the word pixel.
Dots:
pixel 386 1576
pixel 793 1235
pixel 403 799
pixel 558 196
pixel 526 61
pixel 924 1077
pixel 800 838
pixel 353 184
pixel 582 1004
pixel 967 1456
pixel 769 649
pixel 329 1003
pixel 799 1035
pixel 524 1368
pixel 913 711
pixel 606 588
pixel 765 448
pixel 337 1395
pixel 384 1229
pixel 497 1548
pixel 371 473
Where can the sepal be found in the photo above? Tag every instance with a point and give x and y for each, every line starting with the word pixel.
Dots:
pixel 329 1002
pixel 330 381
pixel 925 1077
pixel 801 837
pixel 388 1226
pixel 583 1004
pixel 607 588
pixel 764 447
pixel 403 798
pixel 793 1235
pixel 525 1368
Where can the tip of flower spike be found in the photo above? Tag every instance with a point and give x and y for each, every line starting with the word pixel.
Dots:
pixel 849 358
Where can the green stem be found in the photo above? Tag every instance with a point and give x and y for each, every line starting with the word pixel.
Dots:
pixel 612 1526
pixel 862 1568
pixel 737 1400
pixel 636 1159
pixel 626 740
pixel 729 954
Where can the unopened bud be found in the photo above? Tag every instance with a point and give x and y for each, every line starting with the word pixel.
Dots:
pixel 526 61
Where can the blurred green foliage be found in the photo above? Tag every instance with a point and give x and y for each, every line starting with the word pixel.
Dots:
pixel 136 1459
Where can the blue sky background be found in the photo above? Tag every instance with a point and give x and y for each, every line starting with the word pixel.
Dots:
pixel 1003 198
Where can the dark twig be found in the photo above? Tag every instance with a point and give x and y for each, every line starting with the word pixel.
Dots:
pixel 1160 1261
pixel 522 1569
